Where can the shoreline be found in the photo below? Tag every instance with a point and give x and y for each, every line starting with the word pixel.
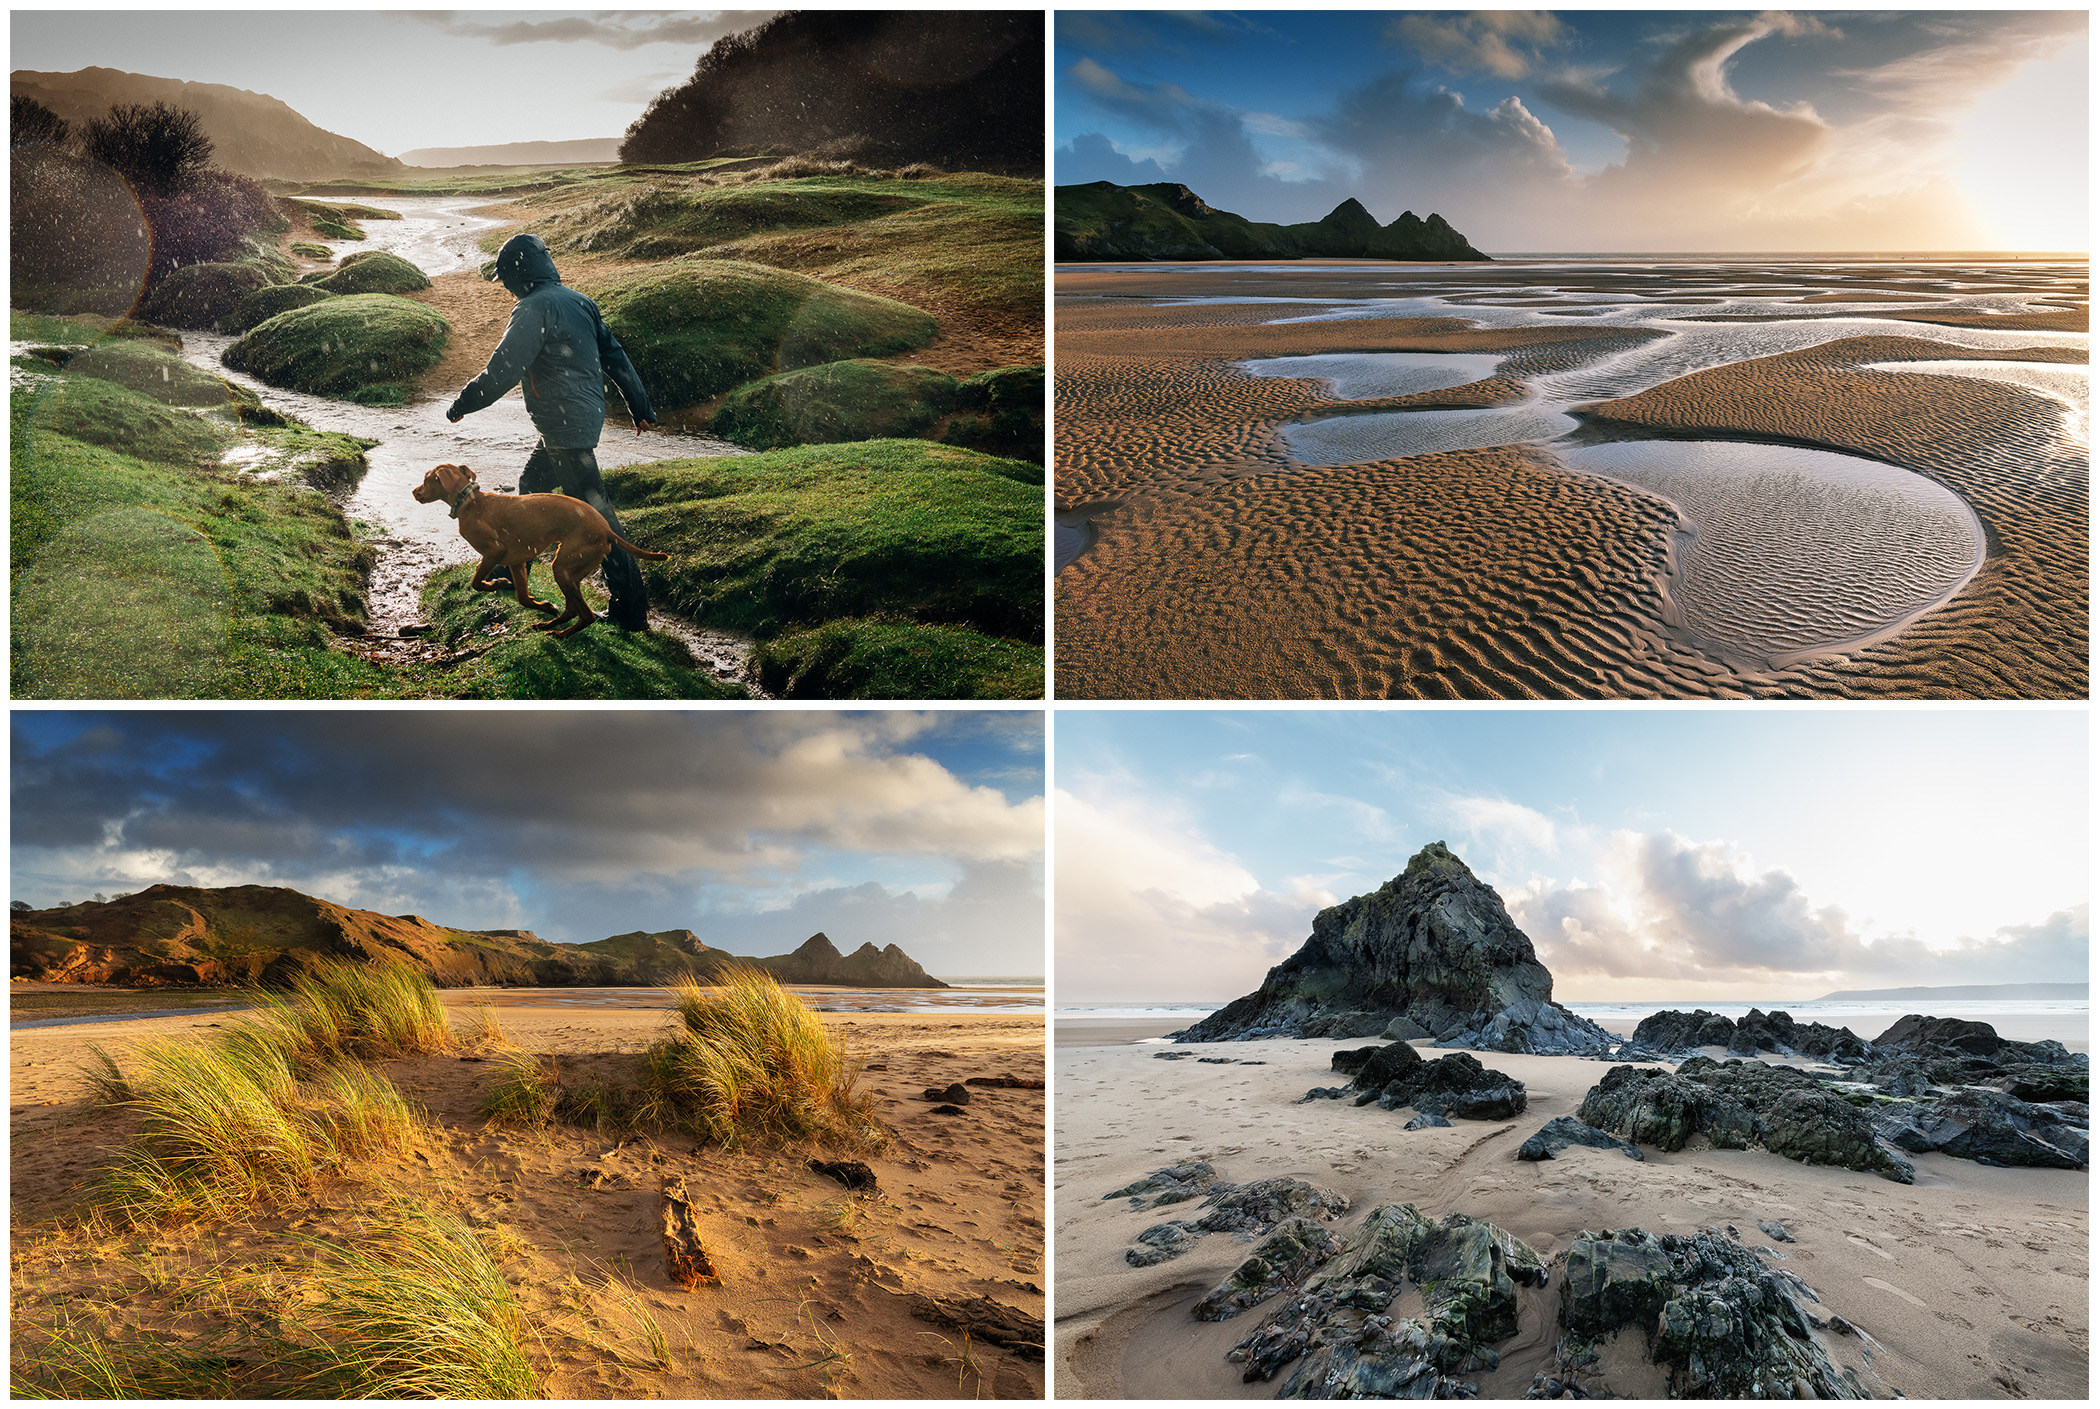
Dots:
pixel 1972 1279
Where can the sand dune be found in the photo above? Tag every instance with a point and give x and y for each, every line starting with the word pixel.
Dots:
pixel 1973 1279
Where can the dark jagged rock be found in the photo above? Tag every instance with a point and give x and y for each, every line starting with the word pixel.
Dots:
pixel 852 1173
pixel 2032 1082
pixel 1217 1061
pixel 1166 220
pixel 1723 1324
pixel 1990 1127
pixel 1670 1032
pixel 955 1094
pixel 1425 1121
pixel 1433 945
pixel 1162 1241
pixel 1739 1105
pixel 1326 1093
pixel 1456 1084
pixel 1674 1033
pixel 1172 1185
pixel 1249 1210
pixel 1285 1257
pixel 1375 1066
pixel 1919 1036
pixel 949 1109
pixel 1776 1232
pixel 1467 1273
pixel 1564 1130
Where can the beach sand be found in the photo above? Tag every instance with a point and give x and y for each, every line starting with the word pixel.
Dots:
pixel 1973 1279
pixel 1215 567
pixel 818 1285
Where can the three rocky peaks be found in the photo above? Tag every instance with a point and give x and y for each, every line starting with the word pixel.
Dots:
pixel 1168 221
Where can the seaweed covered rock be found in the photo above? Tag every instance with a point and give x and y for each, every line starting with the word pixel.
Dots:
pixel 364 347
pixel 2033 1082
pixel 1285 1257
pixel 1739 1105
pixel 371 272
pixel 1456 1084
pixel 700 327
pixel 269 301
pixel 1562 1131
pixel 1990 1127
pixel 1467 1273
pixel 1434 945
pixel 201 295
pixel 1724 1325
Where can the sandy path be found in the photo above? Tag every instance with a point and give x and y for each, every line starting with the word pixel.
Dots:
pixel 1973 1279
pixel 1217 569
pixel 817 1285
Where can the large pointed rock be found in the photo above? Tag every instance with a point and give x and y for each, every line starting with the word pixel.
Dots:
pixel 1433 945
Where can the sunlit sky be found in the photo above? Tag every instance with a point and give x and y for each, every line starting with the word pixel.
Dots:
pixel 1716 854
pixel 400 80
pixel 1600 130
pixel 923 830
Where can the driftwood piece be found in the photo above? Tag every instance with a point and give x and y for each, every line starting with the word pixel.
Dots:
pixel 993 1322
pixel 685 1260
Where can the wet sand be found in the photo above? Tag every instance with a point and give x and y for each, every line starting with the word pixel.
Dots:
pixel 818 1285
pixel 1973 1279
pixel 1204 562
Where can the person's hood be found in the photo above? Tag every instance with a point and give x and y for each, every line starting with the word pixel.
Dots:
pixel 524 262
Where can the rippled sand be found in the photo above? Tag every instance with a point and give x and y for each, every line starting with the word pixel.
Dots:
pixel 1221 568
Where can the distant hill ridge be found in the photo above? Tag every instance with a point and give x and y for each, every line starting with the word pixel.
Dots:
pixel 252 134
pixel 1167 221
pixel 188 935
pixel 1971 992
pixel 582 151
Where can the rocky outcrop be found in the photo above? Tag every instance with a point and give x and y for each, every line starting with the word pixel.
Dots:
pixel 1284 1258
pixel 1990 1127
pixel 1679 1034
pixel 194 936
pixel 1175 1184
pixel 1723 1324
pixel 1434 946
pixel 1167 221
pixel 1739 1105
pixel 1954 1038
pixel 1562 1131
pixel 1249 1210
pixel 1456 1084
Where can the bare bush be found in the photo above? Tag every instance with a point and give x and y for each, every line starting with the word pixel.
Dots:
pixel 159 148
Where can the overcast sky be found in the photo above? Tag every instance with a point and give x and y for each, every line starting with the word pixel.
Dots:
pixel 923 830
pixel 1600 130
pixel 1676 854
pixel 399 80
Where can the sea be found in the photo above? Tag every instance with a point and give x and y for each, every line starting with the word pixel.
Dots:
pixel 1867 1017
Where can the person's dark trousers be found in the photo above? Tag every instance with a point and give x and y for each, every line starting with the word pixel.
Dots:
pixel 575 473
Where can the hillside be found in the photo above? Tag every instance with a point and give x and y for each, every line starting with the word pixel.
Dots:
pixel 589 149
pixel 1168 221
pixel 1966 993
pixel 252 134
pixel 186 935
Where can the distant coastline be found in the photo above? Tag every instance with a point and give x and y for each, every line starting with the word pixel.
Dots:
pixel 1971 992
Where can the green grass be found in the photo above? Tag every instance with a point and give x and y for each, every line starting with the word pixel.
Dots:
pixel 269 301
pixel 340 1008
pixel 202 295
pixel 114 417
pixel 372 272
pixel 525 1094
pixel 697 328
pixel 416 1308
pixel 902 528
pixel 307 249
pixel 834 403
pixel 897 660
pixel 514 662
pixel 344 210
pixel 344 346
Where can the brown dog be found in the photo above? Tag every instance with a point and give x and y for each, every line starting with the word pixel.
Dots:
pixel 512 530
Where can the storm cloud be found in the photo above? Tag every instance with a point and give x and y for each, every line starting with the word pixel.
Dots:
pixel 578 824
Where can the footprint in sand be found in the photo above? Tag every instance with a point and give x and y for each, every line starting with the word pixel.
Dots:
pixel 1898 1291
pixel 1855 1238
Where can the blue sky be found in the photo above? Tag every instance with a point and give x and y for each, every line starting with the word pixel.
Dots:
pixel 922 829
pixel 1714 853
pixel 1599 130
pixel 396 80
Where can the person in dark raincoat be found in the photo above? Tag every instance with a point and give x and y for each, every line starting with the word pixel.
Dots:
pixel 559 347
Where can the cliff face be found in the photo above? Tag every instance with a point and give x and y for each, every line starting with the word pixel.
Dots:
pixel 1168 221
pixel 168 935
pixel 252 134
pixel 1431 953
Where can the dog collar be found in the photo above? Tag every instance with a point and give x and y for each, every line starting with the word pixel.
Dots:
pixel 459 500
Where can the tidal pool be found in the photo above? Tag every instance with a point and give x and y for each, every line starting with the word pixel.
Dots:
pixel 1788 553
pixel 1360 376
pixel 1394 435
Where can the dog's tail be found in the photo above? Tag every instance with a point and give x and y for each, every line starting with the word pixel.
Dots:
pixel 638 552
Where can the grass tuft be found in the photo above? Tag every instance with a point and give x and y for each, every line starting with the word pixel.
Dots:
pixel 525 1094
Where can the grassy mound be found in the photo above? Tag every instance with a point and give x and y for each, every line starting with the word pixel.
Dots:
pixel 105 413
pixel 269 301
pixel 901 528
pixel 1002 414
pixel 360 346
pixel 201 295
pixel 152 371
pixel 839 401
pixel 509 661
pixel 698 328
pixel 373 272
pixel 897 660
pixel 662 221
pixel 307 249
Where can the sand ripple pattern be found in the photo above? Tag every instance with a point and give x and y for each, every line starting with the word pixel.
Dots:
pixel 1795 553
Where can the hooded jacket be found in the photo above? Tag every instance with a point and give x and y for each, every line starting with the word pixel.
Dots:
pixel 557 344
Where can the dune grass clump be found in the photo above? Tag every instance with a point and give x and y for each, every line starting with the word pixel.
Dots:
pixel 363 347
pixel 527 1090
pixel 699 327
pixel 369 1011
pixel 750 1064
pixel 418 1309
